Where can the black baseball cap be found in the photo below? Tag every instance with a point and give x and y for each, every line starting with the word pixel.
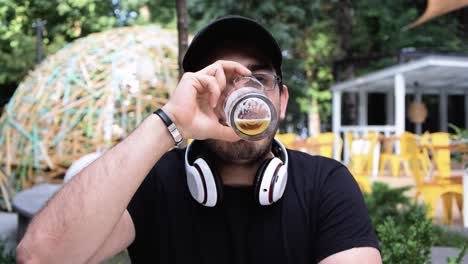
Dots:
pixel 228 28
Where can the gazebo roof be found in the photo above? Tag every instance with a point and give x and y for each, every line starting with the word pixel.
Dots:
pixel 428 75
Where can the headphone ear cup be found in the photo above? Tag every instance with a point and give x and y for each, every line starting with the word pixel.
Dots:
pixel 210 184
pixel 267 182
pixel 218 182
pixel 280 182
pixel 259 179
pixel 194 182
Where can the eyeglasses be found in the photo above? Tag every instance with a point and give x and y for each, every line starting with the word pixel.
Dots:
pixel 265 81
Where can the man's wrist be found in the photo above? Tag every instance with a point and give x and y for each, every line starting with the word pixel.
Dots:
pixel 171 126
pixel 159 129
pixel 168 109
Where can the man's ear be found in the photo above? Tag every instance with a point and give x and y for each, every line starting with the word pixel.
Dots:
pixel 284 97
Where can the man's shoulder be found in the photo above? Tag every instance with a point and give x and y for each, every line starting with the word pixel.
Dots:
pixel 174 155
pixel 172 162
pixel 312 162
pixel 313 171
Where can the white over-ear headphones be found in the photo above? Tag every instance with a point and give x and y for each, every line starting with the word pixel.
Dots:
pixel 206 186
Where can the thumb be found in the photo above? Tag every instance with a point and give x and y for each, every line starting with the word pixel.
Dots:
pixel 225 133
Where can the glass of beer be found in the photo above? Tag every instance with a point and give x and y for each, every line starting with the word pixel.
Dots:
pixel 249 111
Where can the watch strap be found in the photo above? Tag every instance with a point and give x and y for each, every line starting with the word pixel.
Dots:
pixel 175 133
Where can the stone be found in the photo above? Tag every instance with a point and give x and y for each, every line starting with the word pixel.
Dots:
pixel 28 202
pixel 8 227
pixel 440 254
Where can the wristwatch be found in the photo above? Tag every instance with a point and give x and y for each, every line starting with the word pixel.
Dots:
pixel 175 133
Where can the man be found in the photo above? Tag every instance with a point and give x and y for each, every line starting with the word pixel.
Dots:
pixel 321 217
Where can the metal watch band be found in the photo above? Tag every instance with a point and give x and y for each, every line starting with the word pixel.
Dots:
pixel 170 126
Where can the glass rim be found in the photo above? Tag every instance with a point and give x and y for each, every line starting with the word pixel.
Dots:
pixel 276 80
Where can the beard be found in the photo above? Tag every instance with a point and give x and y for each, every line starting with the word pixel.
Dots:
pixel 239 152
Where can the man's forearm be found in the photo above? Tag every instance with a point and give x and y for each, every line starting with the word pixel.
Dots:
pixel 80 217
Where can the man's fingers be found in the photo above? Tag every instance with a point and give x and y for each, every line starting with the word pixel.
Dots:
pixel 220 76
pixel 208 84
pixel 228 66
pixel 232 66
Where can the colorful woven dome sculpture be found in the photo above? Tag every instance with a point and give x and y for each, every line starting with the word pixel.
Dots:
pixel 83 99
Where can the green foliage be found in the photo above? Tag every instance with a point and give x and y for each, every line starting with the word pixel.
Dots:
pixel 320 48
pixel 448 238
pixel 14 43
pixel 291 22
pixel 386 202
pixel 378 29
pixel 458 259
pixel 6 257
pixel 409 243
pixel 405 234
pixel 66 21
pixel 308 32
pixel 460 132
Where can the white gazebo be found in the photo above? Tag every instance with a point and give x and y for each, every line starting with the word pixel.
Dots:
pixel 435 75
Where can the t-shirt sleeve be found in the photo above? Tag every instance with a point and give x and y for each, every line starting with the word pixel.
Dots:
pixel 343 219
pixel 144 218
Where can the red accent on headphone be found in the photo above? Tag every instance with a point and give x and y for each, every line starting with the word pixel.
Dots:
pixel 205 194
pixel 272 183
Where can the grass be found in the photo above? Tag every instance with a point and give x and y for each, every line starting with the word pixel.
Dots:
pixel 6 257
pixel 449 238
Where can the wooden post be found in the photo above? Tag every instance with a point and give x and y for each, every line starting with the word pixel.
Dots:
pixel 182 29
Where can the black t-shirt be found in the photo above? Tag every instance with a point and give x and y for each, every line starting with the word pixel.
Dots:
pixel 322 212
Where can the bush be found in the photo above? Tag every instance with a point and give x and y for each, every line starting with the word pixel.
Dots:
pixel 405 234
pixel 458 259
pixel 386 202
pixel 408 243
pixel 448 238
pixel 6 257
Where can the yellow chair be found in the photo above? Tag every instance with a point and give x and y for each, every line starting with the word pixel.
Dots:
pixel 433 190
pixel 361 158
pixel 425 142
pixel 363 181
pixel 325 142
pixel 440 148
pixel 408 148
pixel 307 147
pixel 388 156
pixel 287 138
pixel 361 152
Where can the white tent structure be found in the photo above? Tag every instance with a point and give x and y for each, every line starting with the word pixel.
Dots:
pixel 435 75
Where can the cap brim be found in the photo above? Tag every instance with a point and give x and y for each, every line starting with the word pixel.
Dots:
pixel 230 28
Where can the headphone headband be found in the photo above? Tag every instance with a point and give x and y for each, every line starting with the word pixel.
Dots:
pixel 206 186
pixel 278 150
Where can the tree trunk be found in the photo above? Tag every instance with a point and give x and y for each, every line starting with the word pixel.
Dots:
pixel 463 18
pixel 344 22
pixel 182 29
